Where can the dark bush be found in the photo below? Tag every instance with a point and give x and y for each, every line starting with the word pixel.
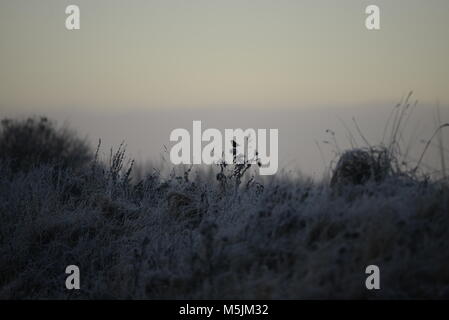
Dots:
pixel 32 142
pixel 358 166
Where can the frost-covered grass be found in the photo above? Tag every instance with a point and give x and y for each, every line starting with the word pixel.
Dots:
pixel 224 233
pixel 189 235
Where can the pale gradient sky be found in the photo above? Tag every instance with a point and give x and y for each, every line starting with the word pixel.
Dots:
pixel 138 69
pixel 167 53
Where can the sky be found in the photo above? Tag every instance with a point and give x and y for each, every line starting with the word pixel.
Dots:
pixel 283 59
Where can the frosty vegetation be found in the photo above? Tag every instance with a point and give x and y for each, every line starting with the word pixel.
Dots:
pixel 221 234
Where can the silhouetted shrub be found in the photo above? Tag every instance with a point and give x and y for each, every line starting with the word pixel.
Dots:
pixel 37 141
pixel 358 166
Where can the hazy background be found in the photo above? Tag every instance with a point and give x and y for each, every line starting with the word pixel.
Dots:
pixel 138 69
